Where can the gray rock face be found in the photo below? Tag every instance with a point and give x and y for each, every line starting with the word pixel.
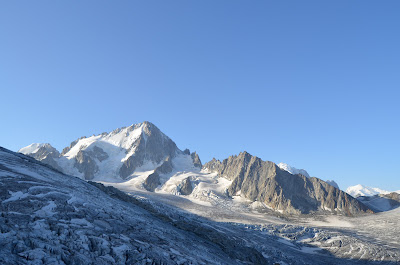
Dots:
pixel 196 160
pixel 165 167
pixel 86 164
pixel 153 145
pixel 186 187
pixel 214 165
pixel 393 196
pixel 98 153
pixel 153 180
pixel 264 181
pixel 394 199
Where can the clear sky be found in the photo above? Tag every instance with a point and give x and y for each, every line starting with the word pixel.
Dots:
pixel 315 84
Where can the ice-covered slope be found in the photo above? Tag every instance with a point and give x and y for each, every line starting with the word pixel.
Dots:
pixel 114 156
pixel 361 190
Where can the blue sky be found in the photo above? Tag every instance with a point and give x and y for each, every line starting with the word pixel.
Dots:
pixel 311 83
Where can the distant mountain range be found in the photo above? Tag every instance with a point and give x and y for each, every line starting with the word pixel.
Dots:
pixel 142 157
pixel 375 198
pixel 361 190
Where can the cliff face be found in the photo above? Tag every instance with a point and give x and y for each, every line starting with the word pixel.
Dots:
pixel 264 181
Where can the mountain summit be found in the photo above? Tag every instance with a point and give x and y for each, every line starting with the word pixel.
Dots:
pixel 111 156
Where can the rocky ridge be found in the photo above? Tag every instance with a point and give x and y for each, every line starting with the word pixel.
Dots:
pixel 264 181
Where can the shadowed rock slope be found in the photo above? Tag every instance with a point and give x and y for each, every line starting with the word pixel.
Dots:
pixel 264 181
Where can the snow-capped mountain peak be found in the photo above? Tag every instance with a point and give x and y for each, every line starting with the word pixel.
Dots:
pixel 113 156
pixel 34 148
pixel 293 170
pixel 361 190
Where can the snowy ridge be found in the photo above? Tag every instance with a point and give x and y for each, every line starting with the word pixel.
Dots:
pixel 361 190
pixel 118 145
pixel 293 170
pixel 113 156
pixel 116 142
pixel 33 148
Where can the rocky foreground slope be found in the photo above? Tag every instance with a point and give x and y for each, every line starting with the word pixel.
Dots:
pixel 264 181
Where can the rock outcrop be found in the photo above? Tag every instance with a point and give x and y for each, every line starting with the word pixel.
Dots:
pixel 264 181
pixel 196 160
pixel 86 164
pixel 153 180
pixel 186 187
